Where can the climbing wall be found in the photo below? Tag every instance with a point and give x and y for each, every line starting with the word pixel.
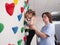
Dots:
pixel 12 21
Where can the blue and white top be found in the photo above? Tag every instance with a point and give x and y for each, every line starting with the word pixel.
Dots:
pixel 49 30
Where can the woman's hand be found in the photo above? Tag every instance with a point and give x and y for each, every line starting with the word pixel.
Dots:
pixel 38 32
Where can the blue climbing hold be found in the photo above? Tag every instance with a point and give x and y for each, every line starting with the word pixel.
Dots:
pixel 15 29
pixel 19 17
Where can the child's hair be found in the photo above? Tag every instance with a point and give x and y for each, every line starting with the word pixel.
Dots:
pixel 30 12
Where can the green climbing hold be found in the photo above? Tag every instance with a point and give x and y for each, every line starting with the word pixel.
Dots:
pixel 25 5
pixel 19 42
pixel 22 29
pixel 1 27
pixel 25 23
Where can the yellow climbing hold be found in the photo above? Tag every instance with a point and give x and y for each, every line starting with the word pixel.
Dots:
pixel 15 2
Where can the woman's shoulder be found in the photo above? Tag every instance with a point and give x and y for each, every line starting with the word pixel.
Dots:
pixel 51 25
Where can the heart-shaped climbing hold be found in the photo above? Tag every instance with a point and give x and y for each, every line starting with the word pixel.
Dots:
pixel 28 7
pixel 25 4
pixel 10 8
pixel 27 1
pixel 10 44
pixel 15 29
pixel 15 2
pixel 22 9
pixel 22 29
pixel 19 42
pixel 1 27
pixel 25 38
pixel 19 17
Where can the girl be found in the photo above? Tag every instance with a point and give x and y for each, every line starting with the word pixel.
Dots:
pixel 30 20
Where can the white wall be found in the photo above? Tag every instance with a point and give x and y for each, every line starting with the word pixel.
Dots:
pixel 41 6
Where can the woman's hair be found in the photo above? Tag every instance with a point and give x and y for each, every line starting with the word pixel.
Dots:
pixel 48 15
pixel 30 11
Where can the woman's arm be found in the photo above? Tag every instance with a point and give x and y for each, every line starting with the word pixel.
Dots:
pixel 39 32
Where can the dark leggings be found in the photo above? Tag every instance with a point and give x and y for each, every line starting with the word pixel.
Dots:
pixel 30 36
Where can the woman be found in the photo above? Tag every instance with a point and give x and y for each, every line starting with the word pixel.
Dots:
pixel 47 32
pixel 30 20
